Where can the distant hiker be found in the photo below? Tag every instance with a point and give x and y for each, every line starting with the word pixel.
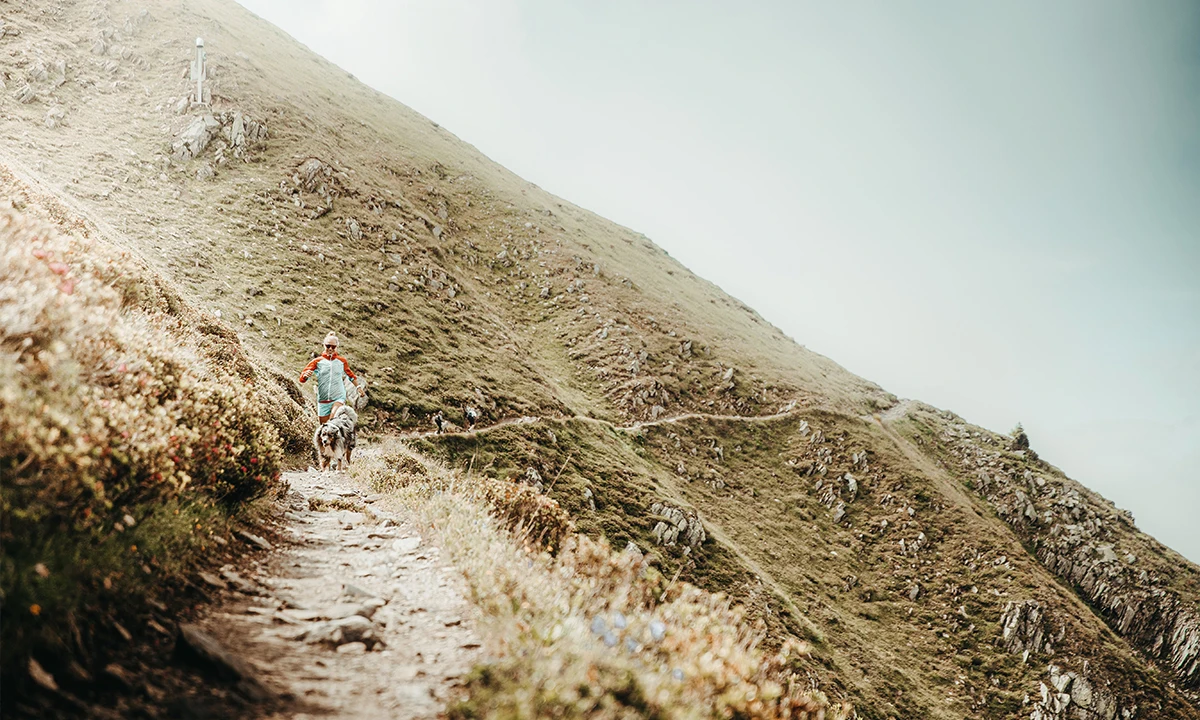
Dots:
pixel 331 369
pixel 472 416
pixel 440 421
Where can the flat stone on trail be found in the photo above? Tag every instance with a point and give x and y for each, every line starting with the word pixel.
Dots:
pixel 354 628
pixel 345 610
pixel 351 590
pixel 195 644
pixel 407 545
pixel 353 648
pixel 240 583
pixel 253 539
pixel 212 580
pixel 350 518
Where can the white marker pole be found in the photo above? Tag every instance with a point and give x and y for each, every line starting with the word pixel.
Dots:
pixel 198 70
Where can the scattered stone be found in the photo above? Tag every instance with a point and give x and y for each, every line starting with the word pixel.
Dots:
pixel 356 591
pixel 198 646
pixel 352 648
pixel 125 634
pixel 212 580
pixel 253 539
pixel 345 610
pixel 123 677
pixel 354 628
pixel 55 117
pixel 407 545
pixel 41 677
pixel 240 583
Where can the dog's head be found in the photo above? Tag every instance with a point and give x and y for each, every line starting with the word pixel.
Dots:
pixel 327 436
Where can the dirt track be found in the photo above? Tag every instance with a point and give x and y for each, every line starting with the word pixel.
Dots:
pixel 297 621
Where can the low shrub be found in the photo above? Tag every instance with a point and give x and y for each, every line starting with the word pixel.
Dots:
pixel 109 412
pixel 526 510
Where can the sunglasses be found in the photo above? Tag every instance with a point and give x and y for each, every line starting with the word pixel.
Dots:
pixel 331 347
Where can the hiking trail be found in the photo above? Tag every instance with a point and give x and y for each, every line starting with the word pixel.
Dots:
pixel 789 409
pixel 357 615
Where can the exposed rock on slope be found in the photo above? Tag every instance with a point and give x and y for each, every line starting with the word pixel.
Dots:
pixel 1086 541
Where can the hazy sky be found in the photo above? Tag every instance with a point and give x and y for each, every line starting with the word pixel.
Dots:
pixel 994 209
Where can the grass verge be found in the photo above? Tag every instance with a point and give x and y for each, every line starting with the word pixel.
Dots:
pixel 586 632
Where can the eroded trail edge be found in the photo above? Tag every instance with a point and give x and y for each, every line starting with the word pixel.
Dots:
pixel 356 615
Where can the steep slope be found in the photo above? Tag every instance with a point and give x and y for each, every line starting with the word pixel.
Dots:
pixel 301 200
pixel 134 431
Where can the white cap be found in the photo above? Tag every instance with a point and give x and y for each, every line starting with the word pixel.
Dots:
pixel 331 339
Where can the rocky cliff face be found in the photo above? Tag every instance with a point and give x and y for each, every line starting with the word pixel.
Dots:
pixel 1143 591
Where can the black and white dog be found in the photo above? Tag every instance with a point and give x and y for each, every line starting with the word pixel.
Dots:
pixel 335 440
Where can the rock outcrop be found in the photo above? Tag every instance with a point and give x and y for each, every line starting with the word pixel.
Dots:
pixel 1087 542
pixel 1071 696
pixel 1023 628
pixel 677 526
pixel 237 134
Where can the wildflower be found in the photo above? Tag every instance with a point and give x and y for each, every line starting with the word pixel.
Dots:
pixel 35 609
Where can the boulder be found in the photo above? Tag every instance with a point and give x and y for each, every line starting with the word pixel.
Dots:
pixel 195 138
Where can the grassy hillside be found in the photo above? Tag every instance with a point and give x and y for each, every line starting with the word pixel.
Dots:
pixel 318 203
pixel 133 429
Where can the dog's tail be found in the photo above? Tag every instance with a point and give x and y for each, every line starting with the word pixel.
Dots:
pixel 348 412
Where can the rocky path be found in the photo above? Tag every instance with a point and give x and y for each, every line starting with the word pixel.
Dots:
pixel 898 411
pixel 356 615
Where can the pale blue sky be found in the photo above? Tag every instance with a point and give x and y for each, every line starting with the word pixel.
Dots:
pixel 994 208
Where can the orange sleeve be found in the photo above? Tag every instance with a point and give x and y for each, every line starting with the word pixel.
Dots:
pixel 309 368
pixel 346 365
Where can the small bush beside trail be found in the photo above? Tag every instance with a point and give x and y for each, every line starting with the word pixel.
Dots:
pixel 108 414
